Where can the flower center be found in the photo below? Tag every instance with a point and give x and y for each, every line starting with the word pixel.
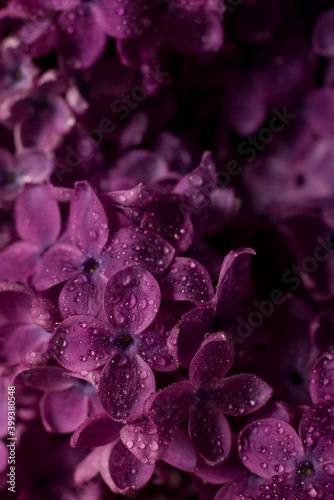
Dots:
pixel 125 340
pixel 305 469
pixel 90 266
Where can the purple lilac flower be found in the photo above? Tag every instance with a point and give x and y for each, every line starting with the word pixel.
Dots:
pixel 296 465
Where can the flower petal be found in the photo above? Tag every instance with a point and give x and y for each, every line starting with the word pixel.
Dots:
pixel 47 378
pixel 146 441
pixel 158 344
pixel 134 245
pixel 322 379
pixel 187 279
pixel 233 280
pixel 210 433
pixel 62 411
pixel 37 216
pixel 212 361
pixel 171 406
pixel 82 296
pixel 269 446
pixel 34 166
pixel 131 300
pixel 97 430
pixel 19 261
pixel 241 394
pixel 17 339
pixel 81 343
pixel 88 222
pixel 127 20
pixel 122 471
pixel 192 328
pixel 124 386
pixel 82 40
pixel 322 34
pixel 166 217
pixel 58 264
pixel 181 453
pixel 316 431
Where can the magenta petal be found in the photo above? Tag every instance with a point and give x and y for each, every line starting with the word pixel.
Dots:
pixel 37 216
pixel 323 34
pixel 97 430
pixel 233 279
pixel 47 378
pixel 158 344
pixel 88 222
pixel 316 431
pixel 60 4
pixel 193 326
pixel 82 296
pixel 81 343
pixel 131 300
pixel 125 385
pixel 212 361
pixel 58 264
pixel 82 40
pixel 181 453
pixel 322 379
pixel 244 487
pixel 63 411
pixel 139 196
pixel 89 467
pixel 18 261
pixel 171 406
pixel 187 279
pixel 34 166
pixel 269 446
pixel 133 245
pixel 241 394
pixel 122 471
pixel 210 433
pixel 125 20
pixel 17 339
pixel 166 217
pixel 15 303
pixel 147 442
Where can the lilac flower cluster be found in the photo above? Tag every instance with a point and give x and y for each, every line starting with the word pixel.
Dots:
pixel 166 250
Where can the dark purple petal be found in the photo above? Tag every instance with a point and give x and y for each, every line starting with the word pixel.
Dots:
pixel 321 330
pixel 194 31
pixel 131 300
pixel 60 4
pixel 97 430
pixel 210 433
pixel 133 245
pixel 171 406
pixel 47 378
pixel 37 216
pixel 323 34
pixel 212 361
pixel 122 471
pixel 322 379
pixel 146 441
pixel 287 489
pixel 17 339
pixel 316 431
pixel 233 280
pixel 192 328
pixel 243 488
pixel 187 279
pixel 82 296
pixel 18 261
pixel 181 453
pixel 62 411
pixel 15 302
pixel 126 20
pixel 82 40
pixel 167 218
pixel 88 223
pixel 58 264
pixel 197 186
pixel 273 409
pixel 158 344
pixel 124 386
pixel 81 343
pixel 269 446
pixel 241 394
pixel 139 196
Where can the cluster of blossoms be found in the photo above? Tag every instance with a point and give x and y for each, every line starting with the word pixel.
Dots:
pixel 167 249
